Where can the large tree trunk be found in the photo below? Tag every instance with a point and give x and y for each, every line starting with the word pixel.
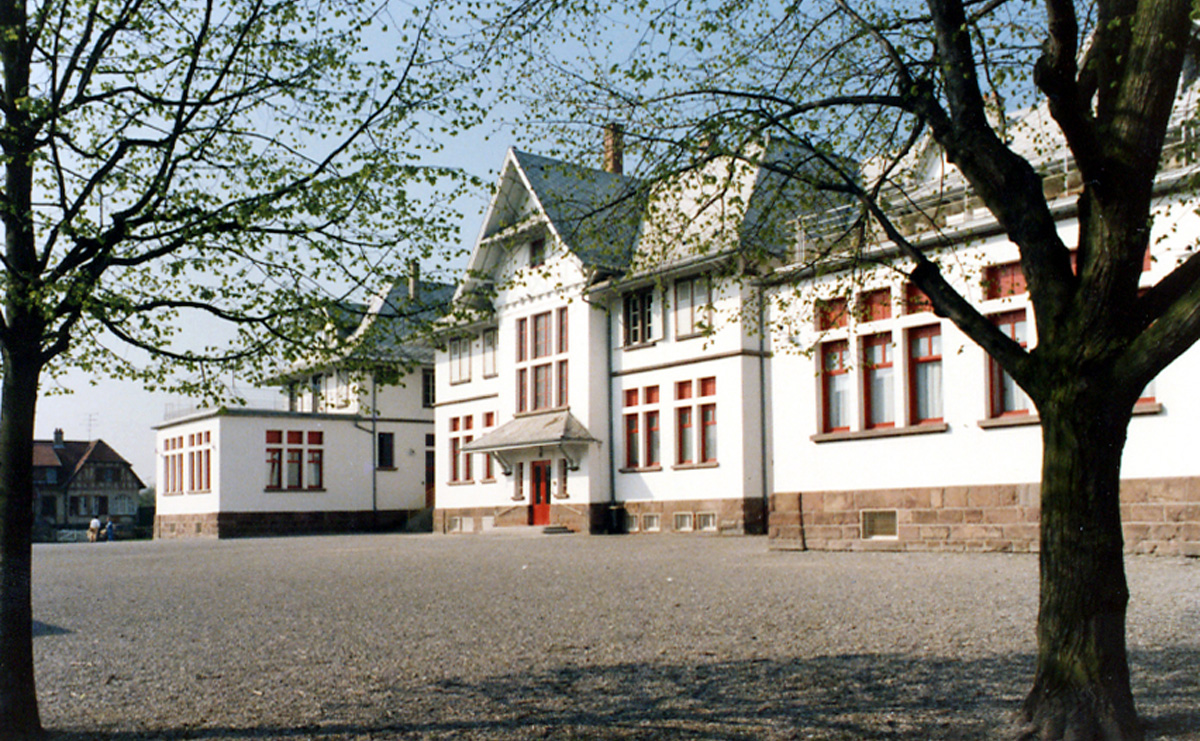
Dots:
pixel 19 717
pixel 1081 690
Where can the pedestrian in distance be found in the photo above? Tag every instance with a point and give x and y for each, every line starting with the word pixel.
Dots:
pixel 93 529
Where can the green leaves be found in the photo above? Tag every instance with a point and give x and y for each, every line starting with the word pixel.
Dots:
pixel 201 178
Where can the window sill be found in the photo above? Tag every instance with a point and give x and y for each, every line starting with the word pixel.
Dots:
pixel 465 482
pixel 690 466
pixel 487 481
pixel 923 429
pixel 692 336
pixel 276 490
pixel 460 382
pixel 386 468
pixel 640 345
pixel 535 412
pixel 201 491
pixel 1012 420
pixel 639 469
pixel 1147 407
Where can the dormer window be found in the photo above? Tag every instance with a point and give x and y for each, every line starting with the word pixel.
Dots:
pixel 537 253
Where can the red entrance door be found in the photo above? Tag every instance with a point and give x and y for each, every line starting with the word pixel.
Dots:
pixel 430 473
pixel 539 473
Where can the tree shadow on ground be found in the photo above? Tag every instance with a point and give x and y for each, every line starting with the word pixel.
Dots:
pixel 862 696
pixel 46 629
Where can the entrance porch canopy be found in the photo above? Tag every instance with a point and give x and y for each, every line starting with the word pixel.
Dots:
pixel 548 430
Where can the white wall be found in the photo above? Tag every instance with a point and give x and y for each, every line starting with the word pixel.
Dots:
pixel 966 453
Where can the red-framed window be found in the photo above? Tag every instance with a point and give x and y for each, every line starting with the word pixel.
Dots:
pixel 876 305
pixel 835 386
pixel 925 375
pixel 489 421
pixel 539 338
pixel 1003 280
pixel 695 443
pixel 563 329
pixel 831 313
pixel 878 397
pixel 915 300
pixel 294 470
pixel 274 468
pixel 684 450
pixel 541 335
pixel 295 460
pixel 632 440
pixel 561 384
pixel 1007 398
pixel 652 439
pixel 460 462
pixel 708 433
pixel 642 433
pixel 316 469
pixel 541 386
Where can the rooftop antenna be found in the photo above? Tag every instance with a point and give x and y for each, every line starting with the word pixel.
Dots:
pixel 91 418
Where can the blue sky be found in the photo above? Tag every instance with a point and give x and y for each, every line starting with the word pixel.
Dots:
pixel 123 413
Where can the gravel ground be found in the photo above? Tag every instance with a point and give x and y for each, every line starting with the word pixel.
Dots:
pixel 510 636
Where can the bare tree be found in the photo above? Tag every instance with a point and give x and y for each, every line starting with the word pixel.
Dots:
pixel 864 82
pixel 241 162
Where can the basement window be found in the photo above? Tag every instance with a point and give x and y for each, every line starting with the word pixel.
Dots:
pixel 706 522
pixel 651 523
pixel 879 524
pixel 631 522
pixel 683 522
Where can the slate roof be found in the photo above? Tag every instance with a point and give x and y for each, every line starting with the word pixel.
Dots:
pixel 391 331
pixel 551 428
pixel 597 213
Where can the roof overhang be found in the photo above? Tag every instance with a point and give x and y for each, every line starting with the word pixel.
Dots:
pixel 555 429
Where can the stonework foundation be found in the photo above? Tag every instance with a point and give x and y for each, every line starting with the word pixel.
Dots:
pixel 731 516
pixel 1158 516
pixel 257 524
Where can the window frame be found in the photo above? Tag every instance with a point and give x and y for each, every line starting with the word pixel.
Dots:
pixel 693 318
pixel 873 417
pixel 489 342
pixel 916 362
pixel 998 396
pixel 638 313
pixel 385 450
pixel 842 350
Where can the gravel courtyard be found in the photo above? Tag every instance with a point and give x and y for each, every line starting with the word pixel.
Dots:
pixel 518 636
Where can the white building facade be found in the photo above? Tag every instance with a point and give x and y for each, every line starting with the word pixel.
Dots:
pixel 670 384
pixel 350 452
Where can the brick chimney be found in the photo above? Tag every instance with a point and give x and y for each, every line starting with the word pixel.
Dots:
pixel 58 439
pixel 614 148
pixel 414 279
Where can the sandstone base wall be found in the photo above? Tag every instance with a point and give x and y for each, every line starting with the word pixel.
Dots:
pixel 1158 516
pixel 252 524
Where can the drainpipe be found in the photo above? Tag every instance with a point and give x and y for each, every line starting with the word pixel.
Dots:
pixel 762 406
pixel 613 525
pixel 374 453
